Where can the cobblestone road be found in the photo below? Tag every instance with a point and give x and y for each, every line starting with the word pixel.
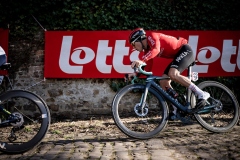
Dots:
pixel 101 139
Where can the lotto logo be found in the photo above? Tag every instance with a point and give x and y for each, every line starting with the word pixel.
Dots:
pixel 105 54
pixel 225 57
pixel 100 57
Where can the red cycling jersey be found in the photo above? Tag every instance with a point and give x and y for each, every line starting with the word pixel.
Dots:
pixel 161 45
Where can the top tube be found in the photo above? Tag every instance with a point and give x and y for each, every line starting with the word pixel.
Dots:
pixel 150 73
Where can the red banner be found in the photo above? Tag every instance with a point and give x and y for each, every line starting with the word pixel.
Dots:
pixel 4 39
pixel 4 44
pixel 107 54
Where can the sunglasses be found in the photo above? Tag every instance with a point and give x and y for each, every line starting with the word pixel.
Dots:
pixel 135 40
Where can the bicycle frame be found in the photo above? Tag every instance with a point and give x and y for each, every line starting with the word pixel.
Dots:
pixel 13 118
pixel 187 108
pixel 150 82
pixel 143 115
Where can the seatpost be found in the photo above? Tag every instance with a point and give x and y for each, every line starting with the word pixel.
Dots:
pixel 189 74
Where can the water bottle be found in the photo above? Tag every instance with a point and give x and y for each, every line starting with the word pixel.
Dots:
pixel 174 94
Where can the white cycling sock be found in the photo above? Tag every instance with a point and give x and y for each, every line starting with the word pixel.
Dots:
pixel 196 90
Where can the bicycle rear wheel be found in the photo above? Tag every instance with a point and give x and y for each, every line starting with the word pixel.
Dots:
pixel 225 115
pixel 33 124
pixel 136 122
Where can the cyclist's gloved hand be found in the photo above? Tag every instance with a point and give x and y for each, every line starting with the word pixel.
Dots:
pixel 129 76
pixel 136 63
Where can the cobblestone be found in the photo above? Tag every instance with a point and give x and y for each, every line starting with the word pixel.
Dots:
pixel 176 142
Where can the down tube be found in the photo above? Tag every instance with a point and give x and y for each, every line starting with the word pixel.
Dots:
pixel 168 97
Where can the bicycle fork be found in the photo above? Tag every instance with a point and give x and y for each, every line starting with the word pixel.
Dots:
pixel 144 96
pixel 141 109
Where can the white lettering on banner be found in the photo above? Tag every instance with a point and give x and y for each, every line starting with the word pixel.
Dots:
pixel 119 52
pixel 238 57
pixel 89 55
pixel 65 55
pixel 103 51
pixel 193 42
pixel 215 54
pixel 227 51
pixel 133 56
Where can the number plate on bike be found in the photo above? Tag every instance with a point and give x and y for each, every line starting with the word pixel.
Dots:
pixel 194 76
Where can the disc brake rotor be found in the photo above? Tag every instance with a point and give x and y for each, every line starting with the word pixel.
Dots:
pixel 139 111
pixel 218 105
pixel 20 121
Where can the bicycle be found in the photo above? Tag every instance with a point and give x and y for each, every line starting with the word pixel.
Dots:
pixel 141 110
pixel 24 118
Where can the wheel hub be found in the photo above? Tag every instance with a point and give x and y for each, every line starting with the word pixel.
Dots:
pixel 218 106
pixel 139 111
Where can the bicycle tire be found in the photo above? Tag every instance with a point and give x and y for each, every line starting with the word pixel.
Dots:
pixel 126 115
pixel 34 124
pixel 223 119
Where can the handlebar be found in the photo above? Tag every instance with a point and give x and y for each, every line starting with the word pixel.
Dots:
pixel 142 71
pixel 139 70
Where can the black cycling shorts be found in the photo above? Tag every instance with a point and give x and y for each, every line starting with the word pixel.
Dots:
pixel 182 60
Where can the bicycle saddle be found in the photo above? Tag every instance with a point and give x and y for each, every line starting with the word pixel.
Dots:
pixel 5 66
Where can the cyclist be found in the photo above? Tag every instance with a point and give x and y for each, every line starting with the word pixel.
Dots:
pixel 166 46
pixel 3 59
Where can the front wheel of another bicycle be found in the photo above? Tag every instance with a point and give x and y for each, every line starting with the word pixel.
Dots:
pixel 221 112
pixel 135 121
pixel 33 121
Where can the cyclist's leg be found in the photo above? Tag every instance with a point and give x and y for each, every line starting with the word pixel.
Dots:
pixel 167 84
pixel 182 60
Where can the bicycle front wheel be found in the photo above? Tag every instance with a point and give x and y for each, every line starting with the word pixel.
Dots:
pixel 225 115
pixel 32 125
pixel 136 121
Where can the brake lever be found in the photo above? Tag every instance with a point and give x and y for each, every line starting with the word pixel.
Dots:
pixel 132 77
pixel 126 77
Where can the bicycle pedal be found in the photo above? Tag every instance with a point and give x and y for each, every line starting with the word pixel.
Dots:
pixel 173 118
